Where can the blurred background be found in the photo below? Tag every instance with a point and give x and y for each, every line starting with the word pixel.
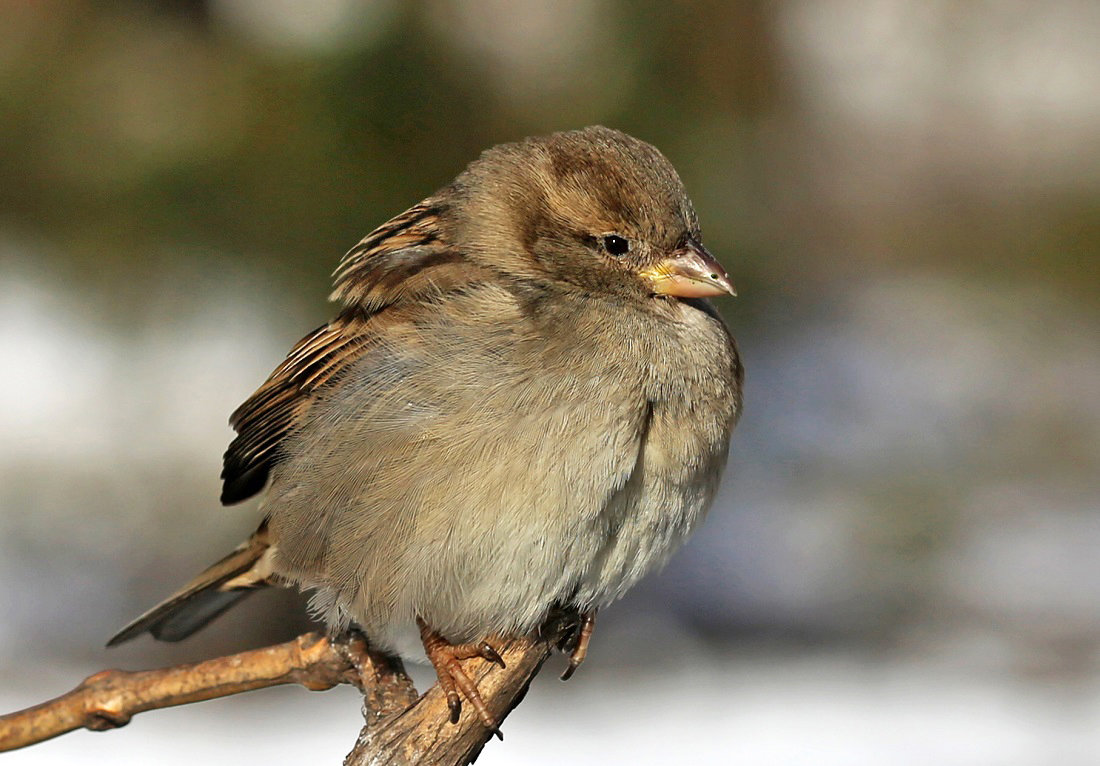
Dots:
pixel 902 566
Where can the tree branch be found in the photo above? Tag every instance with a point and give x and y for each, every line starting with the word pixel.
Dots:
pixel 110 698
pixel 400 728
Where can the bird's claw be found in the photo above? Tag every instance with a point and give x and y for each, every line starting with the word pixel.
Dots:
pixel 580 645
pixel 492 655
pixel 446 659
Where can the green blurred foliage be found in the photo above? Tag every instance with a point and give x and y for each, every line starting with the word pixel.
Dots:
pixel 127 128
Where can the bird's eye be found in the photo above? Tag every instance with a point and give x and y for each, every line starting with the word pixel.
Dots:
pixel 616 245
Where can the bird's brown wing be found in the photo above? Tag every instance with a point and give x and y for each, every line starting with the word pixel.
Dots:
pixel 399 263
pixel 266 417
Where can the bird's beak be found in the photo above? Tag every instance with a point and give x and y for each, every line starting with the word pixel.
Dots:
pixel 689 271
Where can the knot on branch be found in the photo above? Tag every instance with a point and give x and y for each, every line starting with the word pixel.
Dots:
pixel 102 719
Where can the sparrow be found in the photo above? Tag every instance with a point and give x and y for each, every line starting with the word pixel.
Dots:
pixel 523 404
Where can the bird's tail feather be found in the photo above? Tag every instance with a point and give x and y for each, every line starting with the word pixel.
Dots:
pixel 215 590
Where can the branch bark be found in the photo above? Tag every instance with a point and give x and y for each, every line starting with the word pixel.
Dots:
pixel 400 727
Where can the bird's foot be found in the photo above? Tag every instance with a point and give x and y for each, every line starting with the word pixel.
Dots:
pixel 353 645
pixel 446 659
pixel 386 686
pixel 580 641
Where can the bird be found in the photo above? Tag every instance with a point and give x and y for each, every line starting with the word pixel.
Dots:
pixel 523 404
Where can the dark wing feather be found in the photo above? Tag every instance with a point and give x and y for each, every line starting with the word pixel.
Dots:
pixel 266 417
pixel 401 261
pixel 209 594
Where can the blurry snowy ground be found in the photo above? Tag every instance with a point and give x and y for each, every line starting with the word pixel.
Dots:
pixel 826 710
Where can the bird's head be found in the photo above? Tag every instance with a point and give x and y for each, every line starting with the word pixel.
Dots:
pixel 595 209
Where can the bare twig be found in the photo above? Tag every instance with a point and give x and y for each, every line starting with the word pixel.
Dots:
pixel 109 699
pixel 400 729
